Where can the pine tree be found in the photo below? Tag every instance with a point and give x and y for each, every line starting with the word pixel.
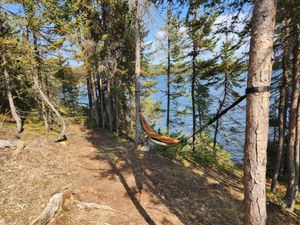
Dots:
pixel 199 28
pixel 6 45
pixel 260 70
pixel 229 71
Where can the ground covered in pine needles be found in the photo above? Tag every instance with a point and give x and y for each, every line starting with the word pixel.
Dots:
pixel 127 186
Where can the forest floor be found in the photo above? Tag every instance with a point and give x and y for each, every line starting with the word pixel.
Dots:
pixel 139 187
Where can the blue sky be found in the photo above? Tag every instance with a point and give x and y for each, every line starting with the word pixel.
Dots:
pixel 157 20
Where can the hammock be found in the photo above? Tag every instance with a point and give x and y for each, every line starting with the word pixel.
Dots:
pixel 164 141
pixel 155 138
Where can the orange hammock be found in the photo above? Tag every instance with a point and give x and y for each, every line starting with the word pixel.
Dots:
pixel 155 138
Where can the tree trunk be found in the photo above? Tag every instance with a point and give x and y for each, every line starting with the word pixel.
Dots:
pixel 218 111
pixel 108 91
pixel 132 116
pixel 215 140
pixel 117 113
pixel 297 152
pixel 168 70
pixel 100 90
pixel 257 113
pixel 39 74
pixel 89 92
pixel 193 94
pixel 289 199
pixel 62 135
pixel 137 72
pixel 12 106
pixel 281 115
pixel 96 100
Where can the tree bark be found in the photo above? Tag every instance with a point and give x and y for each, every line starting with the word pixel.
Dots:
pixel 137 72
pixel 257 113
pixel 12 106
pixel 297 152
pixel 281 113
pixel 289 199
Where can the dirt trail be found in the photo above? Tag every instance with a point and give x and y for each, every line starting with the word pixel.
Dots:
pixel 141 188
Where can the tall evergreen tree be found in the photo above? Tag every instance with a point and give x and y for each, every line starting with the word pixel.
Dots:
pixel 229 69
pixel 260 70
pixel 199 28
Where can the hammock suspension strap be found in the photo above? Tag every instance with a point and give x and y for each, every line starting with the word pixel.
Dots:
pixel 251 90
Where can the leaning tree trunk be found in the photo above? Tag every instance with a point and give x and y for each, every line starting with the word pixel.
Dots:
pixel 290 197
pixel 218 111
pixel 137 72
pixel 12 106
pixel 39 61
pixel 257 114
pixel 281 114
pixel 62 136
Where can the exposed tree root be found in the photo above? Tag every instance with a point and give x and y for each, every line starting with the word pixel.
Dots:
pixel 53 207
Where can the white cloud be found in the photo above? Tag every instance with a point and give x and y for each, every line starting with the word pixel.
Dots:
pixel 160 35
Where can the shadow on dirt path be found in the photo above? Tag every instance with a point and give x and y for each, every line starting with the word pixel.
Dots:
pixel 166 192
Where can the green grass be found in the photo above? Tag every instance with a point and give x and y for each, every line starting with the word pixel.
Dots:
pixel 204 155
pixel 65 208
pixel 110 157
pixel 115 137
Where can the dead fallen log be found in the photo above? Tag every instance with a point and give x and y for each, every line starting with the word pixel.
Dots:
pixel 14 144
pixel 53 207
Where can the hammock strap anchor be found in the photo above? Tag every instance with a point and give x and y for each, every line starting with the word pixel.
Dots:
pixel 251 90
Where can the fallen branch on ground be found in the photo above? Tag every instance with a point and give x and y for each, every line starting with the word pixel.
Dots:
pixel 92 205
pixel 53 207
pixel 19 145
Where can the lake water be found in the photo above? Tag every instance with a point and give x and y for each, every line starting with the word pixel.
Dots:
pixel 232 133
